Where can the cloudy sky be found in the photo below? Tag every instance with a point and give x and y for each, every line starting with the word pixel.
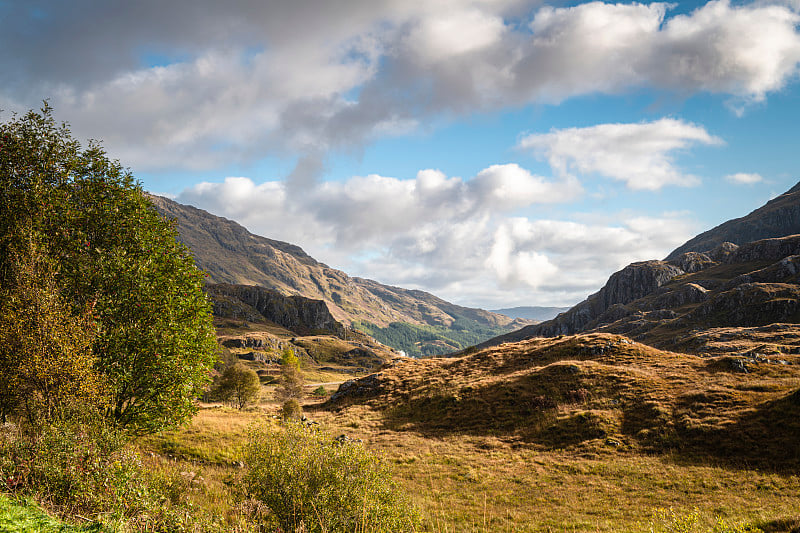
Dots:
pixel 493 152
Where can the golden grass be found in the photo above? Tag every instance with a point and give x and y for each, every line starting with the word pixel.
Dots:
pixel 655 431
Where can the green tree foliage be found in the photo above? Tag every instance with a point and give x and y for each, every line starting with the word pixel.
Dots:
pixel 111 250
pixel 46 362
pixel 291 382
pixel 314 484
pixel 238 385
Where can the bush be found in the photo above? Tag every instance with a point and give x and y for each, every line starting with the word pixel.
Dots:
pixel 291 410
pixel 320 391
pixel 87 470
pixel 311 483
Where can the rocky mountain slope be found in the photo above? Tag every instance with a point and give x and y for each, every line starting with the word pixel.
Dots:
pixel 777 218
pixel 258 324
pixel 414 321
pixel 676 303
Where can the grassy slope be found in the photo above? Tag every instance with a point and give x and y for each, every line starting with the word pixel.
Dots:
pixel 488 483
pixel 26 517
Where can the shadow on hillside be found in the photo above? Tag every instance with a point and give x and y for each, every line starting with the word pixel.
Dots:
pixel 767 437
pixel 557 411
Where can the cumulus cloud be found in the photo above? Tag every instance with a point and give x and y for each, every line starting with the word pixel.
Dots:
pixel 742 178
pixel 192 84
pixel 640 155
pixel 456 237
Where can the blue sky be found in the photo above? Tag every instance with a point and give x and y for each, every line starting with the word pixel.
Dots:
pixel 495 153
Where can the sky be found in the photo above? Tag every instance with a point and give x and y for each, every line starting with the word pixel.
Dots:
pixel 496 153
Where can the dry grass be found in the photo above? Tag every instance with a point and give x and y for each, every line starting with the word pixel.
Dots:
pixel 653 430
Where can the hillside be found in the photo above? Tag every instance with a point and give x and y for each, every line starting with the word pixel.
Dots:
pixel 679 303
pixel 411 320
pixel 596 392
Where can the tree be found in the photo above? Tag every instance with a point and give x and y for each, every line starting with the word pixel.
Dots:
pixel 112 250
pixel 46 362
pixel 291 380
pixel 239 385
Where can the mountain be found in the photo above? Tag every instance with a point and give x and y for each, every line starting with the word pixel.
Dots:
pixel 777 218
pixel 531 313
pixel 724 299
pixel 414 321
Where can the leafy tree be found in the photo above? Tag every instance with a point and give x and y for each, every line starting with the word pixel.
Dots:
pixel 46 361
pixel 239 385
pixel 111 250
pixel 291 380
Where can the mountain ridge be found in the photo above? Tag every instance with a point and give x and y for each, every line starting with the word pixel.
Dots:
pixel 661 302
pixel 230 254
pixel 779 217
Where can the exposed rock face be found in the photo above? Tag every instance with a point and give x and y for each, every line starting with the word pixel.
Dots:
pixel 733 286
pixel 296 313
pixel 777 218
pixel 766 250
pixel 631 283
pixel 693 262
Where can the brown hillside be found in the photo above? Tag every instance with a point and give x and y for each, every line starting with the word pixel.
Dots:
pixel 666 304
pixel 231 254
pixel 597 391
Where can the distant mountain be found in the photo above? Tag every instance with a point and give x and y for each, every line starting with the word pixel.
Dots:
pixel 410 320
pixel 531 313
pixel 777 218
pixel 685 302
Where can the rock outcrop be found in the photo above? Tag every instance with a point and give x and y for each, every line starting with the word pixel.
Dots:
pixel 301 315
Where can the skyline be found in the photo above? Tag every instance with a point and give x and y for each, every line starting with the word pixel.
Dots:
pixel 493 153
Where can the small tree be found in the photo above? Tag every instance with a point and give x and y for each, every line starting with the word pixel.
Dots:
pixel 238 385
pixel 291 380
pixel 314 484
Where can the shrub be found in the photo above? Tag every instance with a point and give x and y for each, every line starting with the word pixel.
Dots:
pixel 320 391
pixel 311 483
pixel 291 410
pixel 87 470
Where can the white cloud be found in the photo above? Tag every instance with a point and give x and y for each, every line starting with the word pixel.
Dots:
pixel 246 79
pixel 742 178
pixel 457 238
pixel 641 155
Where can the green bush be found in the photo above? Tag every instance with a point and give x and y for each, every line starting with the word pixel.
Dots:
pixel 312 483
pixel 320 391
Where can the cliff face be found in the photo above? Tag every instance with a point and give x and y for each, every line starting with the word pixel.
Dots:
pixel 660 303
pixel 300 315
pixel 777 218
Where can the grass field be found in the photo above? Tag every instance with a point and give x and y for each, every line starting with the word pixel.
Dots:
pixel 491 484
